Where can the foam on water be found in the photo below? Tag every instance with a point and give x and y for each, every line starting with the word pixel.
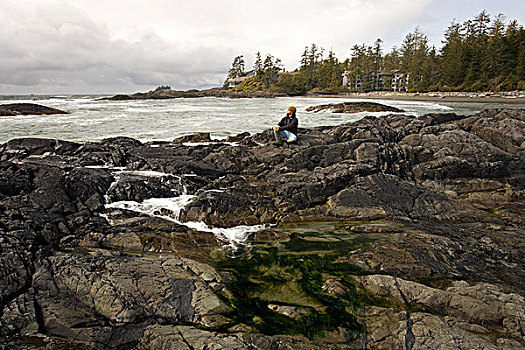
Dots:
pixel 148 173
pixel 170 209
pixel 233 235
pixel 415 106
pixel 156 206
pixel 193 144
pixel 148 120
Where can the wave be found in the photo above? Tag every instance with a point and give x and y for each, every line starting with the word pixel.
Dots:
pixel 418 105
pixel 149 120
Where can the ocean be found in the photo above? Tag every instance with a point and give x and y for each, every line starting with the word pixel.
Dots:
pixel 162 120
pixel 146 120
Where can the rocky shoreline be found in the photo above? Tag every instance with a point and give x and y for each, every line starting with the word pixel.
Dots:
pixel 510 97
pixel 507 97
pixel 162 94
pixel 394 232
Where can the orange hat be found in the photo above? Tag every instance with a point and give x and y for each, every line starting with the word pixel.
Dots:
pixel 292 109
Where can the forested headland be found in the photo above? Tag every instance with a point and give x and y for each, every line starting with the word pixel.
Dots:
pixel 481 54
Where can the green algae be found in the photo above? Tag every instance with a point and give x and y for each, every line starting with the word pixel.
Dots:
pixel 252 295
pixel 302 243
pixel 35 341
pixel 293 273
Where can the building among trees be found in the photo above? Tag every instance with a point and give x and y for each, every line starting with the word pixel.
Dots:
pixel 395 80
pixel 480 54
pixel 233 82
pixel 263 75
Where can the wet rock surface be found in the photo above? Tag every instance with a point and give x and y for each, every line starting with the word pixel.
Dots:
pixel 14 109
pixel 354 107
pixel 393 232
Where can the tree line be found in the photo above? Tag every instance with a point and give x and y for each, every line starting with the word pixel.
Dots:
pixel 480 54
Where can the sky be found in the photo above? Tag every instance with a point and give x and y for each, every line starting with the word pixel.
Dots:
pixel 117 46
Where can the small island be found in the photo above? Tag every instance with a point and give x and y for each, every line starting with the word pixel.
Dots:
pixel 165 92
pixel 354 107
pixel 14 109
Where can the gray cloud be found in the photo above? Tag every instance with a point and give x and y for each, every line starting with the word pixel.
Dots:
pixel 110 46
pixel 58 48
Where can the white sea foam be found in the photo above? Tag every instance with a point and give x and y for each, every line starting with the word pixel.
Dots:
pixel 193 144
pixel 104 167
pixel 158 207
pixel 233 235
pixel 147 173
pixel 111 188
pixel 144 173
pixel 170 209
pixel 415 105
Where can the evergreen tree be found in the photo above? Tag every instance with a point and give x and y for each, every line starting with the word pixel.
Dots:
pixel 309 64
pixel 304 58
pixel 495 56
pixel 258 65
pixel 237 68
pixel 292 84
pixel 359 67
pixel 453 57
pixel 520 67
pixel 414 54
pixel 480 53
pixel 329 74
pixel 270 70
pixel 476 47
pixel 375 54
pixel 513 65
pixel 392 60
pixel 480 25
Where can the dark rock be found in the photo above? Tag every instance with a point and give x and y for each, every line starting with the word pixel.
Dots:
pixel 238 137
pixel 437 198
pixel 27 109
pixel 136 186
pixel 354 107
pixel 162 94
pixel 22 148
pixel 379 196
pixel 118 98
pixel 201 137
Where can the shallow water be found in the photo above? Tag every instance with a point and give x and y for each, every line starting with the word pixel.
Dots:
pixel 147 120
pixel 170 208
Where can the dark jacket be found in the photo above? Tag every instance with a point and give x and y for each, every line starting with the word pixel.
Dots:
pixel 289 124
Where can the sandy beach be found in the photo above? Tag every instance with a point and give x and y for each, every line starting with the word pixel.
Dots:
pixel 512 97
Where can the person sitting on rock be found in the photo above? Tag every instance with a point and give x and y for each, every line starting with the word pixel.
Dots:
pixel 286 129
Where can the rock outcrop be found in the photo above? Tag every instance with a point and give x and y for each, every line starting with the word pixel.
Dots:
pixel 27 109
pixel 394 232
pixel 162 94
pixel 354 107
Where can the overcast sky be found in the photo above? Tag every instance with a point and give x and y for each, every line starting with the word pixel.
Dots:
pixel 123 46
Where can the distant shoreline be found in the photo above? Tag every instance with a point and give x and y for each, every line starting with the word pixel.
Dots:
pixel 507 97
pixel 512 97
